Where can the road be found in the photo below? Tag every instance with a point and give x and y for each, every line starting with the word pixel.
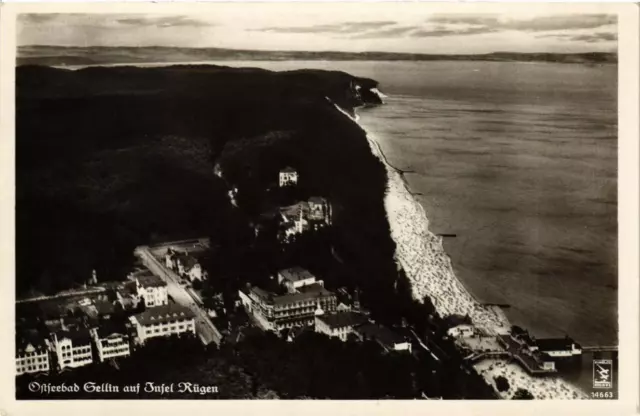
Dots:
pixel 424 346
pixel 204 327
pixel 66 294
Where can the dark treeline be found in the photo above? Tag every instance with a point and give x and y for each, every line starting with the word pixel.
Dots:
pixel 107 159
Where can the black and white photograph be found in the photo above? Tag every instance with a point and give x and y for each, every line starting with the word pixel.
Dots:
pixel 317 202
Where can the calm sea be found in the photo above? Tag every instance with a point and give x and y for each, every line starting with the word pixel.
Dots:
pixel 519 160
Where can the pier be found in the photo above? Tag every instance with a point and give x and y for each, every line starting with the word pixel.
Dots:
pixel 600 348
pixel 499 305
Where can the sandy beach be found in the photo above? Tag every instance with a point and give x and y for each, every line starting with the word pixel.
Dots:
pixel 541 387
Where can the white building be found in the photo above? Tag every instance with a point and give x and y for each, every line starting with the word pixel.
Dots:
pixel 163 321
pixel 559 347
pixel 190 267
pixel 32 355
pixel 387 339
pixel 288 177
pixel 319 209
pixel 305 215
pixel 461 331
pixel 296 277
pixel 276 312
pixel 343 307
pixel 111 342
pixel 339 324
pixel 72 348
pixel 184 264
pixel 152 289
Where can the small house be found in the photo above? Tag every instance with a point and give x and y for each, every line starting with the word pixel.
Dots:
pixel 288 177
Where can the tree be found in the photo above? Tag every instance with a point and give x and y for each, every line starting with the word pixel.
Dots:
pixel 522 394
pixel 502 384
pixel 197 284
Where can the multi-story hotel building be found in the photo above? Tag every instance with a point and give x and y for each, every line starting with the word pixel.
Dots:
pixel 276 312
pixel 152 289
pixel 32 354
pixel 111 342
pixel 163 321
pixel 72 348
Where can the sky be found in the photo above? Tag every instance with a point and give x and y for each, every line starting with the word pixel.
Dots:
pixel 368 27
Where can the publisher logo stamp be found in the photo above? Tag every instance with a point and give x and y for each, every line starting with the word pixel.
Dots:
pixel 602 374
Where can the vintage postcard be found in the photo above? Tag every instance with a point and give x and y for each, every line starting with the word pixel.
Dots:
pixel 398 205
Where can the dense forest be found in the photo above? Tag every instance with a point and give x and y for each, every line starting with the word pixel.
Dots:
pixel 107 159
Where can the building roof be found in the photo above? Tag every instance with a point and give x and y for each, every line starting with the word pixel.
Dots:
pixel 188 262
pixel 150 280
pixel 261 293
pixel 295 274
pixel 544 357
pixel 317 200
pixel 315 289
pixel 128 289
pixel 89 310
pixel 556 344
pixel 312 291
pixel 380 333
pixel 343 319
pixel 288 169
pixel 79 336
pixel 27 339
pixel 104 307
pixel 109 328
pixel 293 211
pixel 163 313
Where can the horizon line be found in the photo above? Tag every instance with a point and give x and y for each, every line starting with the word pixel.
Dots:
pixel 323 51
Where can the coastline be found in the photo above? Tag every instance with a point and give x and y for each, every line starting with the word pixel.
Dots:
pixel 428 267
pixel 401 206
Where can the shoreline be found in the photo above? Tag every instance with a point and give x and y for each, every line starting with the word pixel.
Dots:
pixel 428 267
pixel 493 322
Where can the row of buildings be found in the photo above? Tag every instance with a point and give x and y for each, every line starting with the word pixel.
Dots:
pixel 75 337
pixel 306 303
